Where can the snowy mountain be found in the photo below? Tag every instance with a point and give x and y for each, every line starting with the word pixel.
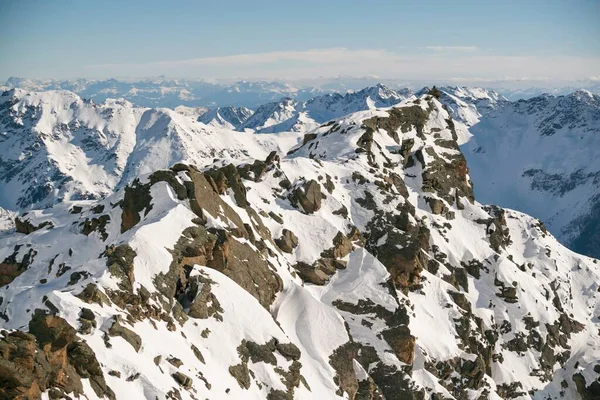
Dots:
pixel 356 265
pixel 527 93
pixel 302 116
pixel 163 92
pixel 226 117
pixel 55 146
pixel 540 156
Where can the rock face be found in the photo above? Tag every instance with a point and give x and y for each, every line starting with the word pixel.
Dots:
pixel 49 358
pixel 357 266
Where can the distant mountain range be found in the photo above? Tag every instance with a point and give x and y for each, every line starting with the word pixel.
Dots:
pixel 164 92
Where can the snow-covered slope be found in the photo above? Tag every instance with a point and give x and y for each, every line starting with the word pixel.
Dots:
pixel 55 145
pixel 226 117
pixel 302 116
pixel 468 104
pixel 358 265
pixel 540 156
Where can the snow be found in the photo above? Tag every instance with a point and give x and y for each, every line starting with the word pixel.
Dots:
pixel 306 315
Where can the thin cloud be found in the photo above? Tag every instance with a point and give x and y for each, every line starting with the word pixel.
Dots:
pixel 465 49
pixel 316 56
pixel 341 61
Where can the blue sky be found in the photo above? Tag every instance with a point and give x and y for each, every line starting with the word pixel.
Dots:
pixel 454 40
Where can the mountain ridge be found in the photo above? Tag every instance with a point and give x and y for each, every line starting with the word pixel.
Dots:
pixel 318 271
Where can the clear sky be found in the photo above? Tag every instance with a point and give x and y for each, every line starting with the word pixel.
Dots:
pixel 457 40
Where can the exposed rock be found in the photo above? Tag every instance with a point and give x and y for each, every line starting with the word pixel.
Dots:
pixel 591 392
pixel 203 304
pixel 342 246
pixel 120 264
pixel 218 250
pixel 87 319
pixel 174 361
pixel 233 181
pixel 309 273
pixel 50 357
pixel 117 329
pixel 287 242
pixel 91 294
pixel 137 199
pixel 308 137
pixel 25 226
pixel 402 342
pixel 183 380
pixel 10 268
pixel 307 197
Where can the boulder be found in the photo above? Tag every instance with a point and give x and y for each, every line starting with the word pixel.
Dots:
pixel 117 329
pixel 287 242
pixel 308 197
pixel 309 273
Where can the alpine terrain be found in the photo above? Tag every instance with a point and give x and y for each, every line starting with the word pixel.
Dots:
pixel 540 156
pixel 156 256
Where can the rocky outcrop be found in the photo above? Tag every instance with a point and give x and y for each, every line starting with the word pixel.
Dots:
pixel 26 226
pixel 307 197
pixel 118 329
pixel 49 358
pixel 287 242
pixel 11 268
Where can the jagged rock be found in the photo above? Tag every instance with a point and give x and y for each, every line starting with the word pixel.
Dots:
pixel 329 186
pixel 287 242
pixel 76 210
pixel 288 350
pixel 342 246
pixel 275 217
pixel 368 390
pixel 446 176
pixel 183 379
pixel 174 361
pixel 437 206
pixel 91 294
pixel 309 273
pixel 435 92
pixel 203 196
pixel 137 199
pixel 308 137
pixel 203 303
pixel 396 181
pixel 117 329
pixel 233 181
pixel 25 226
pixel 220 251
pixel 87 319
pixel 10 268
pixel 403 256
pixel 120 264
pixel 406 148
pixel 402 342
pixel 307 197
pixel 591 392
pixel 50 357
pixel 256 170
pixel 342 362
